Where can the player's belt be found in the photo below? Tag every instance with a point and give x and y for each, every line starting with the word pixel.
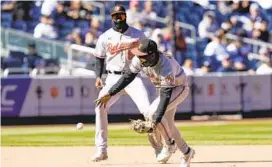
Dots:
pixel 115 72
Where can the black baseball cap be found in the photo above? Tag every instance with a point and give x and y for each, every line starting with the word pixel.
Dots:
pixel 118 9
pixel 146 46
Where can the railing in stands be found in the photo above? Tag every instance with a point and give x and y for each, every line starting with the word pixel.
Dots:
pixel 19 40
pixel 102 12
pixel 254 42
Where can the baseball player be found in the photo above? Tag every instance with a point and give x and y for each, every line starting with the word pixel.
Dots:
pixel 166 74
pixel 113 47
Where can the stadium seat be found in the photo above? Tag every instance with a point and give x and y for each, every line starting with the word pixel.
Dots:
pixel 64 32
pixel 11 62
pixel 31 26
pixel 68 24
pixel 19 25
pixel 17 55
pixel 5 24
pixel 82 24
pixel 35 13
pixel 6 16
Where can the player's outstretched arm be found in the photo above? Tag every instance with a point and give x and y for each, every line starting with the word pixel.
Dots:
pixel 126 79
pixel 99 66
pixel 165 96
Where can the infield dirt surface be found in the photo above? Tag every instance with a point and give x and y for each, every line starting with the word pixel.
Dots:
pixel 135 156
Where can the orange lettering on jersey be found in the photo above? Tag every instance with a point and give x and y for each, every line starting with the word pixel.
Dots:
pixel 113 49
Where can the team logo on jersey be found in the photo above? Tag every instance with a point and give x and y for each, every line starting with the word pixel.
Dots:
pixel 114 49
pixel 169 79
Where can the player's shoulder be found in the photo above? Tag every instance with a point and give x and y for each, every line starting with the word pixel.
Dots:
pixel 135 30
pixel 107 33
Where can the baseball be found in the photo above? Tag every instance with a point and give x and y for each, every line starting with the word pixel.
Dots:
pixel 79 126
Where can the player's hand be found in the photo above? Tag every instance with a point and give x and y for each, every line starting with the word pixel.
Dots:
pixel 98 83
pixel 102 100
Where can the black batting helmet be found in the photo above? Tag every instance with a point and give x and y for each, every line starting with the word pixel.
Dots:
pixel 118 9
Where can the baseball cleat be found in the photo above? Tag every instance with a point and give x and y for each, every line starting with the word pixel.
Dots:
pixel 99 157
pixel 157 152
pixel 166 153
pixel 185 162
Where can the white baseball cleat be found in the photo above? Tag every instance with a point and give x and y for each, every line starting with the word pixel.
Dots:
pixel 166 153
pixel 185 162
pixel 99 157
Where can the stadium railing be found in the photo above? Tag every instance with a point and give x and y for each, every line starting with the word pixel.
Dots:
pixel 19 40
pixel 256 43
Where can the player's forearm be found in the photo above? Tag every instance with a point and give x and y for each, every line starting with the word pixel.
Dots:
pixel 99 66
pixel 126 79
pixel 165 96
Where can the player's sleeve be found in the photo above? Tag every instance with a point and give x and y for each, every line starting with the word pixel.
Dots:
pixel 99 66
pixel 135 66
pixel 100 54
pixel 126 79
pixel 165 96
pixel 100 48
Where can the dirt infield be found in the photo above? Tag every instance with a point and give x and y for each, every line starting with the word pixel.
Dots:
pixel 206 156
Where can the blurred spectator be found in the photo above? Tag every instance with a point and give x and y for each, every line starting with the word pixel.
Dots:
pixel 254 17
pixel 215 51
pixel 265 4
pixel 92 35
pixel 203 3
pixel 225 7
pixel 260 31
pixel 265 66
pixel 48 7
pixel 75 37
pixel 188 66
pixel 133 15
pixel 147 11
pixel 226 65
pixel 238 48
pixel 45 28
pixel 226 26
pixel 208 25
pixel 60 14
pixel 181 45
pixel 204 69
pixel 77 11
pixel 8 6
pixel 34 59
pixel 20 9
pixel 241 7
pixel 163 45
pixel 240 64
pixel 141 26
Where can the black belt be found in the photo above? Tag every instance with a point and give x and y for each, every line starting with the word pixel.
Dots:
pixel 115 72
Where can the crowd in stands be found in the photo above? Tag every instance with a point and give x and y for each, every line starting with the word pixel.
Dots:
pixel 78 22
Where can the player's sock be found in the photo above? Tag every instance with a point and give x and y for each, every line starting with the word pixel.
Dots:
pixel 181 143
pixel 187 151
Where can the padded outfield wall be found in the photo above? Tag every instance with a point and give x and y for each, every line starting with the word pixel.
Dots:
pixel 74 96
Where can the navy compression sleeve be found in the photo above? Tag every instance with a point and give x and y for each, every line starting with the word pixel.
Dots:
pixel 165 96
pixel 126 79
pixel 99 66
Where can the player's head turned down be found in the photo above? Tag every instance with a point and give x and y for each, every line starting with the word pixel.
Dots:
pixel 147 52
pixel 118 17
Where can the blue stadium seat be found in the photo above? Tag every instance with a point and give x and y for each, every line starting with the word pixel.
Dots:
pixel 31 26
pixel 64 32
pixel 5 24
pixel 6 16
pixel 17 55
pixel 35 13
pixel 82 24
pixel 19 25
pixel 11 62
pixel 68 24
